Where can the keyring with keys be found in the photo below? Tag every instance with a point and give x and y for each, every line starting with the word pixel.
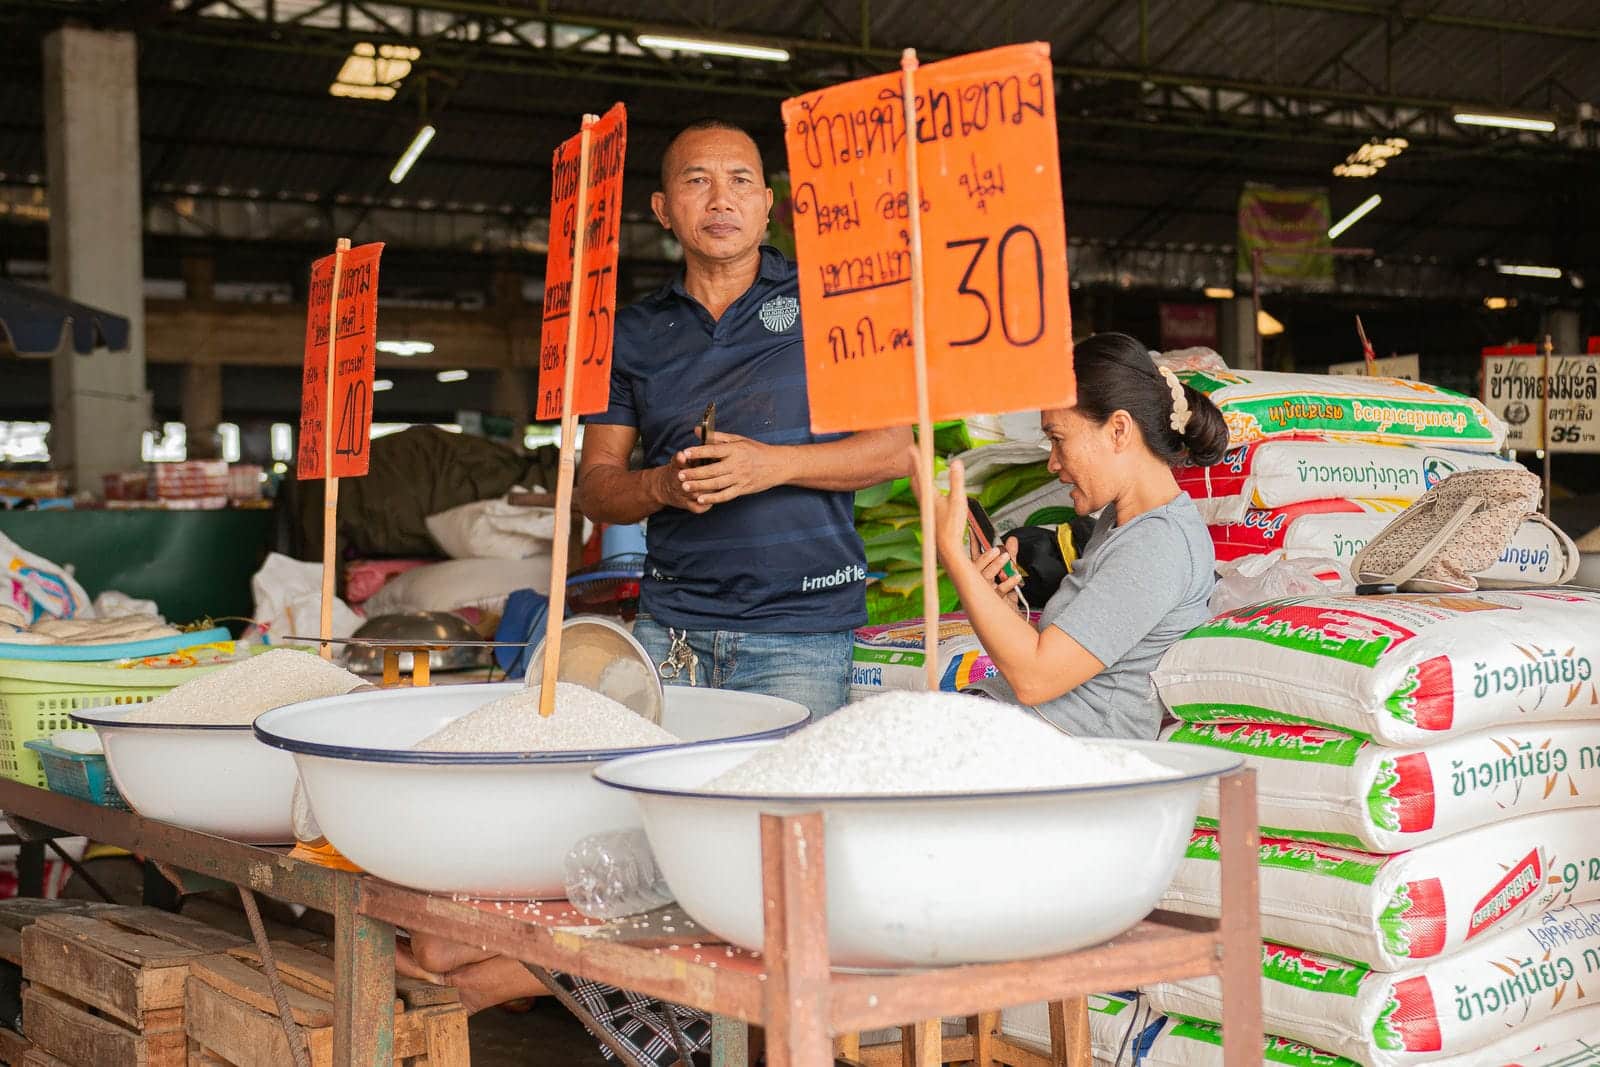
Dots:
pixel 680 657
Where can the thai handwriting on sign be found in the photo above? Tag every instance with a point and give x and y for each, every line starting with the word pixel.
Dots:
pixel 994 242
pixel 355 341
pixel 1520 389
pixel 597 284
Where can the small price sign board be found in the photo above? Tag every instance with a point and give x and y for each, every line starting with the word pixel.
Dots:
pixel 1547 402
pixel 595 285
pixel 988 204
pixel 352 320
pixel 580 297
pixel 336 388
pixel 932 251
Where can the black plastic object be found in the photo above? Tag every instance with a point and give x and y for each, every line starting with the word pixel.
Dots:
pixel 1039 555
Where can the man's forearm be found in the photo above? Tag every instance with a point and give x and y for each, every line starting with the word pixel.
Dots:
pixel 618 496
pixel 855 462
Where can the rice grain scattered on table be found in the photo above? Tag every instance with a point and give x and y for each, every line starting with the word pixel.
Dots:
pixel 907 742
pixel 236 694
pixel 583 721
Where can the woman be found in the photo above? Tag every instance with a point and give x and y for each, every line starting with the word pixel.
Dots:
pixel 1144 577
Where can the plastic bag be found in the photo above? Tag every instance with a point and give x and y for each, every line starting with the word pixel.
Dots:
pixel 38 587
pixel 1258 579
pixel 1190 359
pixel 288 598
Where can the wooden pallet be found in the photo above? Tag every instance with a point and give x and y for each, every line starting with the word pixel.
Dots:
pixel 106 987
pixel 231 1016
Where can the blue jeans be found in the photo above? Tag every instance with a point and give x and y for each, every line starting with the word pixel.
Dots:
pixel 810 669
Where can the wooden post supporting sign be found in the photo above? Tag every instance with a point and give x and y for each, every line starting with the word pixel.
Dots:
pixel 579 307
pixel 336 389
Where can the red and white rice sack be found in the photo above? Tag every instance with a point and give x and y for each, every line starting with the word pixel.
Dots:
pixel 1259 405
pixel 1567 1040
pixel 1315 784
pixel 1338 529
pixel 1501 987
pixel 1291 470
pixel 1401 670
pixel 1392 912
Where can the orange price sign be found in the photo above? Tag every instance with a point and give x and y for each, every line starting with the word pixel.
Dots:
pixel 353 363
pixel 998 325
pixel 596 301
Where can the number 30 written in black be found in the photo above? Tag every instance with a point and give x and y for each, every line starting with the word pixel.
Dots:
pixel 1009 268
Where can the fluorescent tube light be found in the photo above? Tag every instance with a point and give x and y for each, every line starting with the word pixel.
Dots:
pixel 1355 216
pixel 1501 121
pixel 382 385
pixel 1218 292
pixel 710 47
pixel 451 376
pixel 405 348
pixel 418 143
pixel 1524 270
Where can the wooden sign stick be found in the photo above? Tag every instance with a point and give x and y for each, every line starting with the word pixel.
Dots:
pixel 1544 423
pixel 569 432
pixel 919 343
pixel 330 484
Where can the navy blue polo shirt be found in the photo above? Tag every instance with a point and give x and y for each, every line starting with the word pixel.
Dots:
pixel 784 561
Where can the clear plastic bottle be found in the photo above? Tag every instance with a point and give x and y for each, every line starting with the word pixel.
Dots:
pixel 615 874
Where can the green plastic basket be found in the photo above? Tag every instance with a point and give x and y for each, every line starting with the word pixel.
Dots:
pixel 37 700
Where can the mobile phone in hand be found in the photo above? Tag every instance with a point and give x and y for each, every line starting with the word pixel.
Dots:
pixel 708 427
pixel 981 536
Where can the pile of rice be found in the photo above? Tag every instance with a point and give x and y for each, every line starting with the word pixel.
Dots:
pixel 584 721
pixel 906 742
pixel 236 694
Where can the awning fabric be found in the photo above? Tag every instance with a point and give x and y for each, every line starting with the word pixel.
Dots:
pixel 35 322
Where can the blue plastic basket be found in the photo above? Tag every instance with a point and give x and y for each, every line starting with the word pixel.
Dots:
pixel 77 774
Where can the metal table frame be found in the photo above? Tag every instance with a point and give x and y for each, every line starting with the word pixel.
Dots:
pixel 791 992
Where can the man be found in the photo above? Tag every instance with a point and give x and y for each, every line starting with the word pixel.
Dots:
pixel 755 576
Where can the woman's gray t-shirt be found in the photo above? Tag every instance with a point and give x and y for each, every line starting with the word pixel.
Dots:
pixel 1136 589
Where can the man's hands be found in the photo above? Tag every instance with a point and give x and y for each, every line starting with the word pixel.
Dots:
pixel 667 486
pixel 733 467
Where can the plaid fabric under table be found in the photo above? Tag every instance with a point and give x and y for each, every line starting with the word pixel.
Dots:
pixel 640 1023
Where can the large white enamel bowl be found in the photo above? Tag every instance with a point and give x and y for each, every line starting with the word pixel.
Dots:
pixel 481 824
pixel 934 879
pixel 215 779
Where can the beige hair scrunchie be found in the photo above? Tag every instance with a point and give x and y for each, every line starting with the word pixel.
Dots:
pixel 1180 403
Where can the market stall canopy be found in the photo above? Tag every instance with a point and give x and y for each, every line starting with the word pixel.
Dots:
pixel 34 322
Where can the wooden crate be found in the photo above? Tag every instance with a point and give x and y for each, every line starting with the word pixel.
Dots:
pixel 231 1015
pixel 106 987
pixel 20 913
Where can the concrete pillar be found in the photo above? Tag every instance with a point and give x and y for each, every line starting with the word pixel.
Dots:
pixel 91 118
pixel 511 400
pixel 202 409
pixel 199 278
pixel 1237 326
pixel 1562 327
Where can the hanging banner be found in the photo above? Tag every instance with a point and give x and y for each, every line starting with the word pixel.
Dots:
pixel 994 241
pixel 354 353
pixel 597 301
pixel 1287 225
pixel 1188 326
pixel 1517 388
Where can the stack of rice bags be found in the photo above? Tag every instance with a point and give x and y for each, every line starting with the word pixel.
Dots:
pixel 1006 470
pixel 1319 464
pixel 1428 771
